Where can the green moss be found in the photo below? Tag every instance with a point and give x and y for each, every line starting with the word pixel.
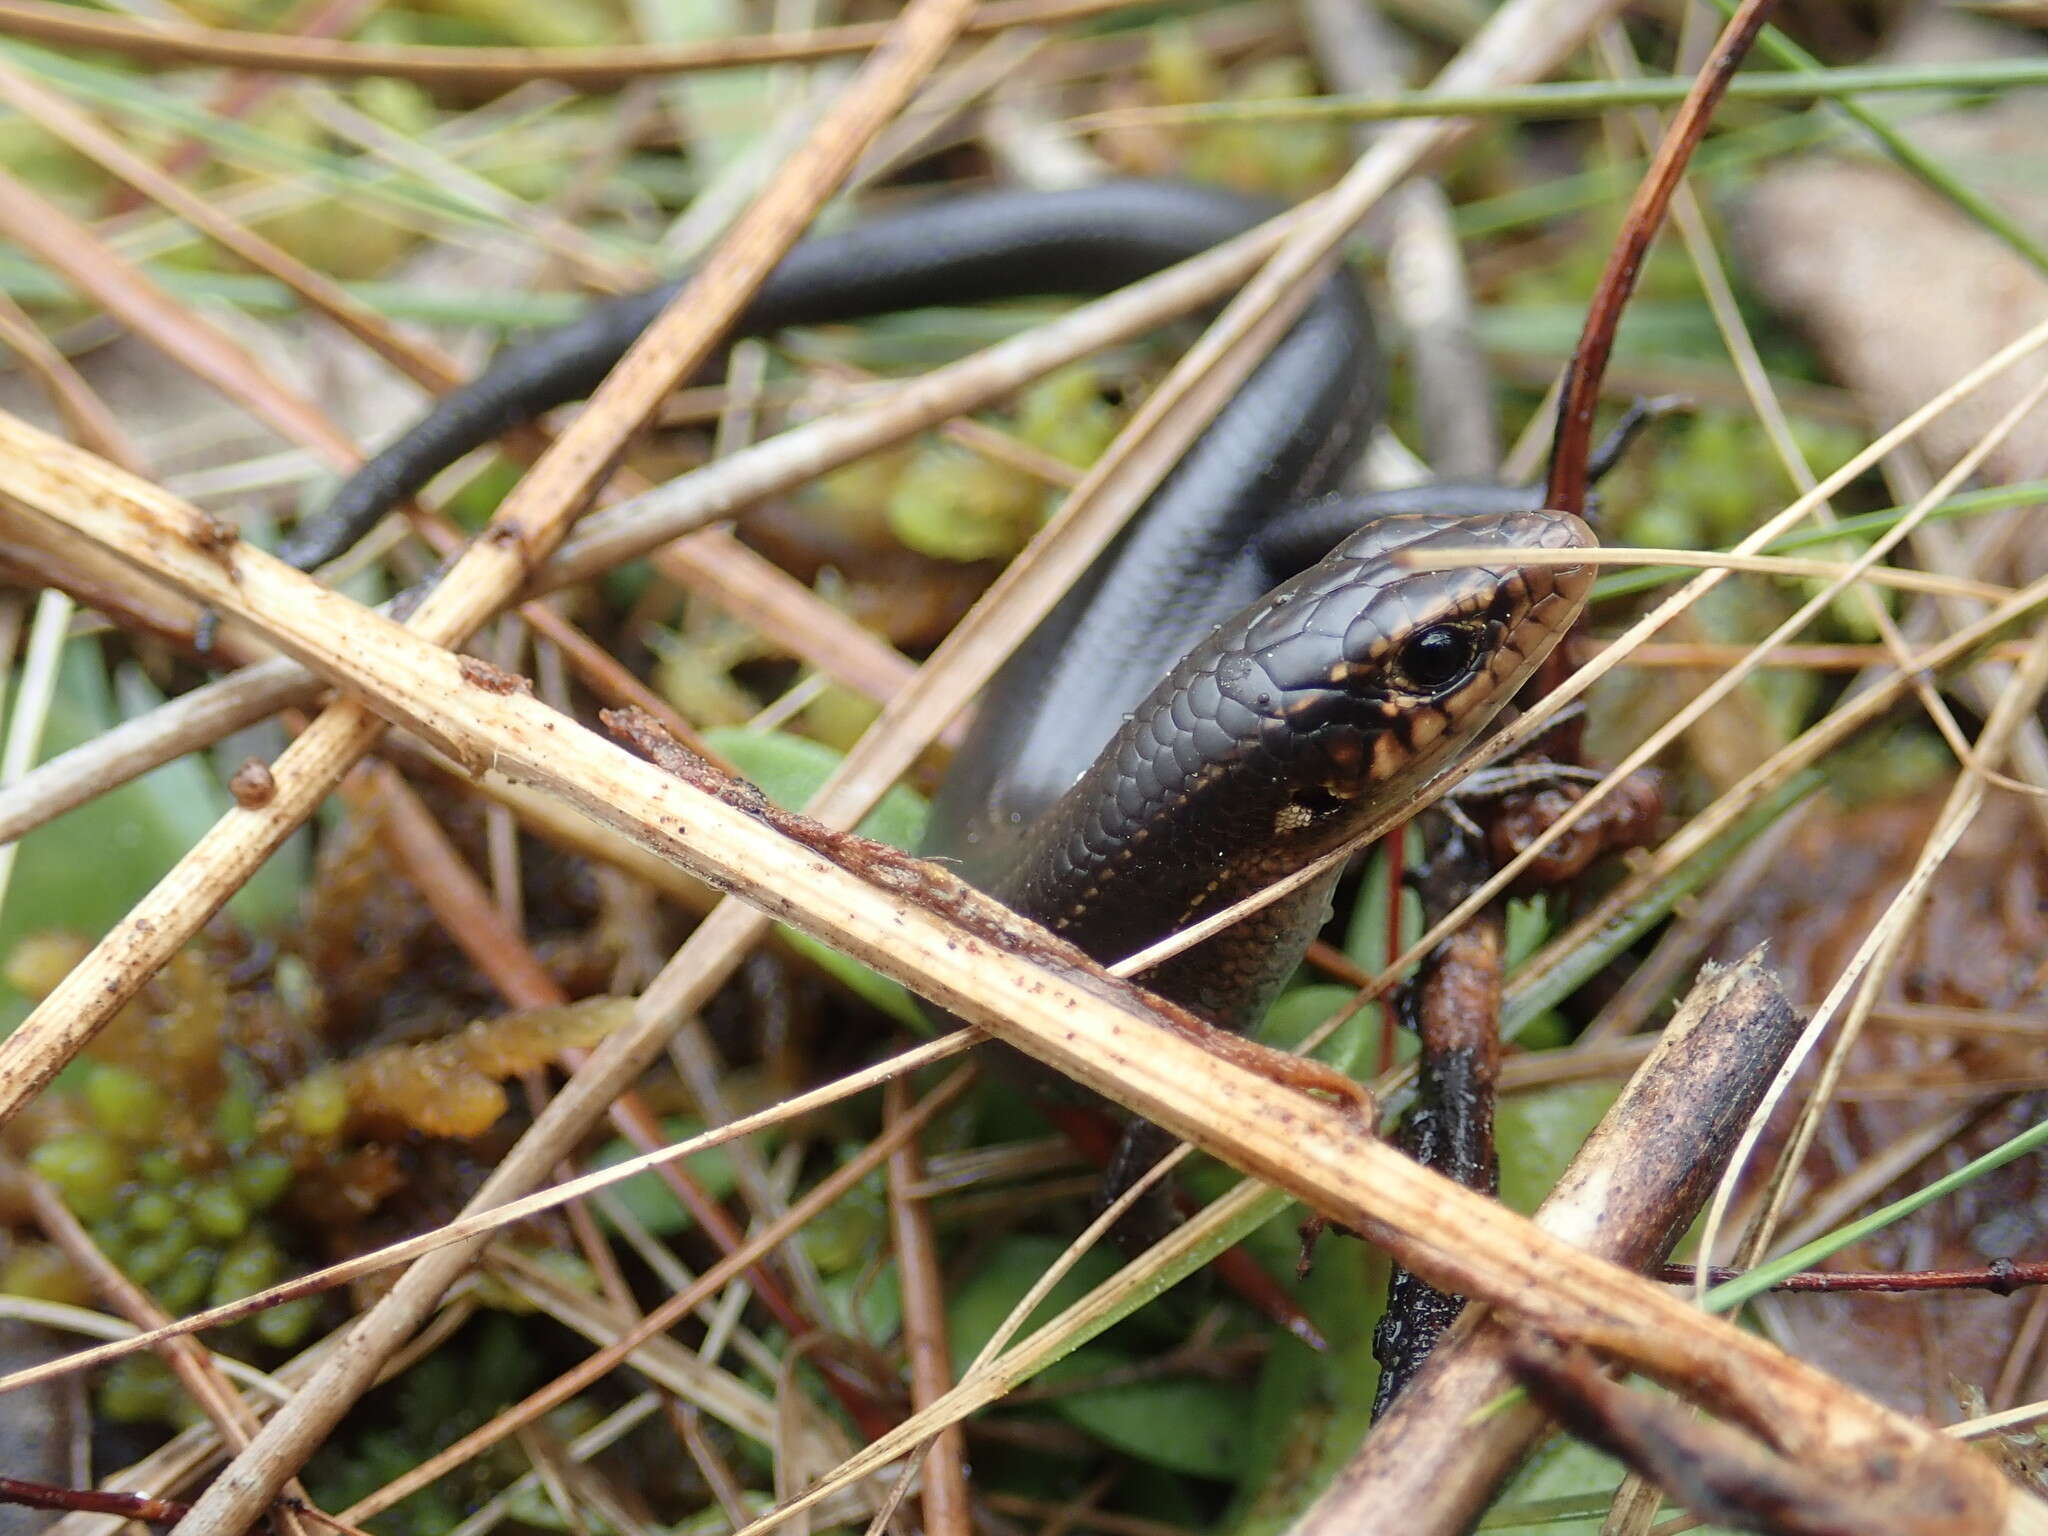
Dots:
pixel 42 1271
pixel 849 1233
pixel 245 1269
pixel 234 1117
pixel 123 1103
pixel 140 1389
pixel 87 1170
pixel 218 1212
pixel 1067 416
pixel 152 1212
pixel 187 1282
pixel 287 1323
pixel 317 1105
pixel 151 1258
pixel 260 1179
pixel 957 505
pixel 159 1166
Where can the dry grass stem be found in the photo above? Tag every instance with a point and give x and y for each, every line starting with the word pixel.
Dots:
pixel 590 68
pixel 800 454
pixel 662 1361
pixel 84 414
pixel 1869 966
pixel 1904 579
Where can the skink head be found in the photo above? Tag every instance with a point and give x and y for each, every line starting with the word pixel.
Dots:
pixel 1296 725
pixel 1385 666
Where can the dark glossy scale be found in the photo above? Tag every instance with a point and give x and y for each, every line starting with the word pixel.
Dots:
pixel 1284 735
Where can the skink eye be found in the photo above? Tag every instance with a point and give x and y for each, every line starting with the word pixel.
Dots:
pixel 1441 654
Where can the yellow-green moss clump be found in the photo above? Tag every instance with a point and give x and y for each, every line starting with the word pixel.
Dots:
pixel 209 1151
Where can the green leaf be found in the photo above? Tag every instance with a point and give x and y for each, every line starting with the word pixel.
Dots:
pixel 1562 1470
pixel 1185 1424
pixel 1011 1268
pixel 1182 1424
pixel 1565 1490
pixel 188 796
pixel 1539 1133
pixel 1354 1045
pixel 868 1305
pixel 791 769
pixel 1311 1409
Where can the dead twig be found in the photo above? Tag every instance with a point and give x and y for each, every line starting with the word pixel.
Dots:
pixel 486 69
pixel 1581 396
pixel 1726 1477
pixel 1632 1189
pixel 943 1486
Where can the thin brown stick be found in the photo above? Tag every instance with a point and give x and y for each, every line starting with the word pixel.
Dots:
pixel 583 69
pixel 922 1284
pixel 85 415
pixel 2001 1277
pixel 1566 488
pixel 1453 1005
pixel 775 604
pixel 128 1506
